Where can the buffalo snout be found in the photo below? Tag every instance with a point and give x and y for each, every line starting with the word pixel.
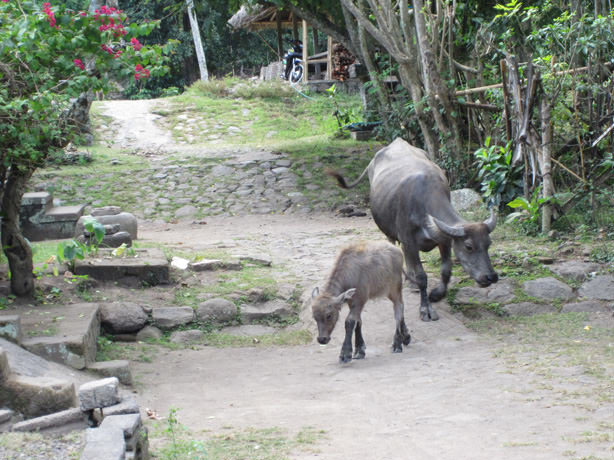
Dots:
pixel 323 340
pixel 487 280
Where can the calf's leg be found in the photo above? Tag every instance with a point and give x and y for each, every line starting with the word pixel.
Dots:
pixel 401 334
pixel 359 343
pixel 351 321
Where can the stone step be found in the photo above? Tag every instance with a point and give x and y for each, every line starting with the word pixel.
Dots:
pixel 66 334
pixel 40 220
pixel 64 213
pixel 33 386
pixel 149 268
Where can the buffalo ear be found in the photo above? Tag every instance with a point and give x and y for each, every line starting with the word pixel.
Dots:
pixel 491 222
pixel 347 295
pixel 438 226
pixel 315 292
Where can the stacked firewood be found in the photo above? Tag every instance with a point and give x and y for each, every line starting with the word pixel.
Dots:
pixel 342 59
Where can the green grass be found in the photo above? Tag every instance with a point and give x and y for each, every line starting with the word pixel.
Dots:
pixel 282 338
pixel 273 443
pixel 543 343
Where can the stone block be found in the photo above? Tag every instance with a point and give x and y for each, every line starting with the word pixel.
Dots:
pixel 217 311
pixel 127 223
pixel 149 333
pixel 104 444
pixel 528 309
pixel 6 415
pixel 70 418
pixel 35 396
pixel 77 327
pixel 548 289
pixel 187 337
pixel 99 393
pixel 214 264
pixel 600 288
pixel 171 317
pixel 5 368
pixel 274 309
pixel 150 267
pixel 122 317
pixel 130 424
pixel 119 368
pixel 106 211
pixel 126 406
pixel 10 327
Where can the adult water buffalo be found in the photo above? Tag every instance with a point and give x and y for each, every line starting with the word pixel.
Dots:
pixel 410 203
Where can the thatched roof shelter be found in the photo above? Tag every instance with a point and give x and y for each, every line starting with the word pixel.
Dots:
pixel 259 17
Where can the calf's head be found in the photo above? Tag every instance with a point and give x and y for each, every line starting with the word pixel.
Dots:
pixel 470 243
pixel 325 308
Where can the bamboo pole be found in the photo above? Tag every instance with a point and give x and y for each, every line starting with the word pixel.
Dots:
pixel 465 92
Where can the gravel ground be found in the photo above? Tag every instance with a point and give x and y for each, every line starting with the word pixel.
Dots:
pixel 35 446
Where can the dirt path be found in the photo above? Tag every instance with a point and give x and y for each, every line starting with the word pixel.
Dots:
pixel 445 397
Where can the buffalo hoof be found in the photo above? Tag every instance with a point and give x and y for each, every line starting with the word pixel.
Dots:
pixel 406 339
pixel 424 316
pixel 433 314
pixel 436 295
pixel 397 349
pixel 345 358
pixel 359 353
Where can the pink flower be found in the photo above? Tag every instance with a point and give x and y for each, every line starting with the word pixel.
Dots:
pixel 79 63
pixel 49 13
pixel 136 44
pixel 5 1
pixel 140 72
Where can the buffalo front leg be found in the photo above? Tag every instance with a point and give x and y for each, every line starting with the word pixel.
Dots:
pixel 412 259
pixel 446 270
pixel 359 343
pixel 346 348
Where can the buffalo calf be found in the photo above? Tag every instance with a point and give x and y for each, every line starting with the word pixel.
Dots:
pixel 361 272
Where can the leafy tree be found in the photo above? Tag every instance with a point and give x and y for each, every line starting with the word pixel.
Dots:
pixel 49 55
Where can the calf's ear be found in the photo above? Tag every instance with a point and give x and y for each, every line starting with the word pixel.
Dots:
pixel 315 292
pixel 349 294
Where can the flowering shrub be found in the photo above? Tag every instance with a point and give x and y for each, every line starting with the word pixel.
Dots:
pixel 49 56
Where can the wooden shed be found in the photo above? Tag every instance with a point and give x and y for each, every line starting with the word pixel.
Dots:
pixel 258 17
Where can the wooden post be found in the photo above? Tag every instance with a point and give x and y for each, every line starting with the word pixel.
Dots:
pixel 316 50
pixel 305 47
pixel 294 27
pixel 329 58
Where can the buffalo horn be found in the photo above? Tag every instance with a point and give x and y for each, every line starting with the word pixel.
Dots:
pixel 453 231
pixel 491 222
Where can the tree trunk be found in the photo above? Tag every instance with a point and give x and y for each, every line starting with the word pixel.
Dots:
pixel 546 162
pixel 16 248
pixel 198 45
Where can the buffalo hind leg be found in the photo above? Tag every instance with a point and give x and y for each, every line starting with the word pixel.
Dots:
pixel 412 260
pixel 401 334
pixel 359 343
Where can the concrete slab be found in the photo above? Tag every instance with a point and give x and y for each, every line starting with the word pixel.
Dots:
pixel 149 268
pixel 70 333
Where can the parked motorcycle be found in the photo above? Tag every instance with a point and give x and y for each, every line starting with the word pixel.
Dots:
pixel 293 62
